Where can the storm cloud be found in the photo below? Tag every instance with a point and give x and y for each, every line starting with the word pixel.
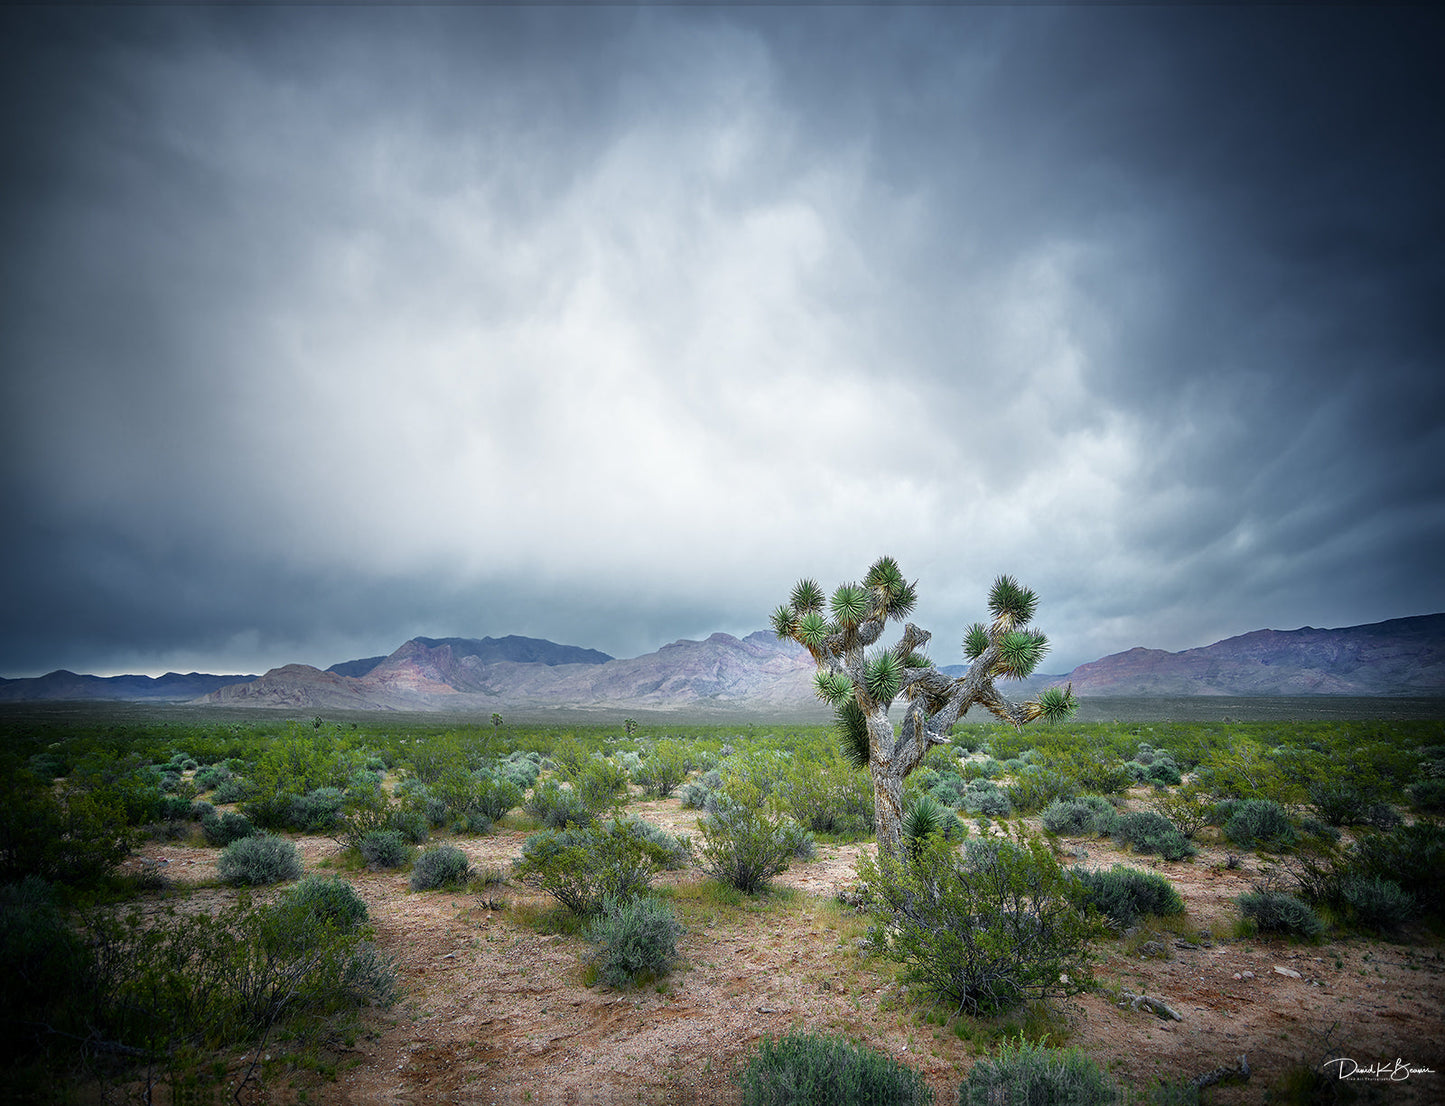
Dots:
pixel 326 327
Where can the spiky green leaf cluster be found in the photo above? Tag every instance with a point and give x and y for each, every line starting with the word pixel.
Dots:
pixel 916 660
pixel 883 674
pixel 807 596
pixel 812 630
pixel 850 605
pixel 975 641
pixel 1054 704
pixel 834 688
pixel 895 596
pixel 1019 653
pixel 1011 604
pixel 853 732
pixel 785 622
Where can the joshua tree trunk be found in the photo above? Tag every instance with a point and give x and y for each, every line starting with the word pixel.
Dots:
pixel 863 686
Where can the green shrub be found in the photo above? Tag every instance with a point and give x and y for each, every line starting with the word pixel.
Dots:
pixel 167 984
pixel 599 783
pixel 331 899
pixel 1124 894
pixel 1340 802
pixel 1260 822
pixel 1413 857
pixel 383 849
pixel 695 795
pixel 1086 815
pixel 663 770
pixel 1163 774
pixel 1024 1074
pixel 1277 912
pixel 559 807
pixel 744 846
pixel 1428 796
pixel 1380 904
pixel 635 940
pixel 63 835
pixel 253 861
pixel 439 866
pixel 497 796
pixel 986 929
pixel 229 827
pixel 582 867
pixel 809 1069
pixel 986 797
pixel 231 790
pixel 42 961
pixel 675 851
pixel 824 793
pixel 1146 831
pixel 317 811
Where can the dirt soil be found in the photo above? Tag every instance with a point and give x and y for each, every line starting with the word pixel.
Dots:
pixel 495 1012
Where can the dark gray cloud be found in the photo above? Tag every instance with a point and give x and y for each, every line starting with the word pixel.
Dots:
pixel 326 327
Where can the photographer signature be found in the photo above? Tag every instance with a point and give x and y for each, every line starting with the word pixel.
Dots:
pixel 1345 1068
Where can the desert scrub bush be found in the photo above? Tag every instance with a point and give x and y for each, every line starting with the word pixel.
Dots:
pixel 1188 807
pixel 1147 832
pixel 1023 1073
pixel 317 811
pixel 1413 857
pixel 384 849
pixel 1375 903
pixel 439 866
pixel 1428 796
pixel 1088 815
pixel 63 835
pixel 331 899
pixel 663 769
pixel 42 961
pixel 676 852
pixel 264 858
pixel 1340 802
pixel 169 985
pixel 231 790
pixel 599 783
pixel 1123 894
pixel 823 792
pixel 558 807
pixel 745 846
pixel 983 796
pixel 987 929
pixel 1253 823
pixel 230 826
pixel 812 1069
pixel 695 795
pixel 1265 910
pixel 583 866
pixel 634 940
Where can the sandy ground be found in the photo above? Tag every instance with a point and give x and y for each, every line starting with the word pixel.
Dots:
pixel 495 1012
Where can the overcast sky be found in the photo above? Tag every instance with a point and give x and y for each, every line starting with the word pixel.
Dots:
pixel 327 327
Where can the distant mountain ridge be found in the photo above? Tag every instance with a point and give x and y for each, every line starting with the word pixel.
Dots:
pixel 754 673
pixel 757 673
pixel 173 687
pixel 522 650
pixel 1402 656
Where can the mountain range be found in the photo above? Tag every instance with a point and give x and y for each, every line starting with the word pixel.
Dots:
pixel 758 674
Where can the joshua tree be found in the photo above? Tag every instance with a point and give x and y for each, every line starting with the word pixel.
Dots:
pixel 861 687
pixel 496 723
